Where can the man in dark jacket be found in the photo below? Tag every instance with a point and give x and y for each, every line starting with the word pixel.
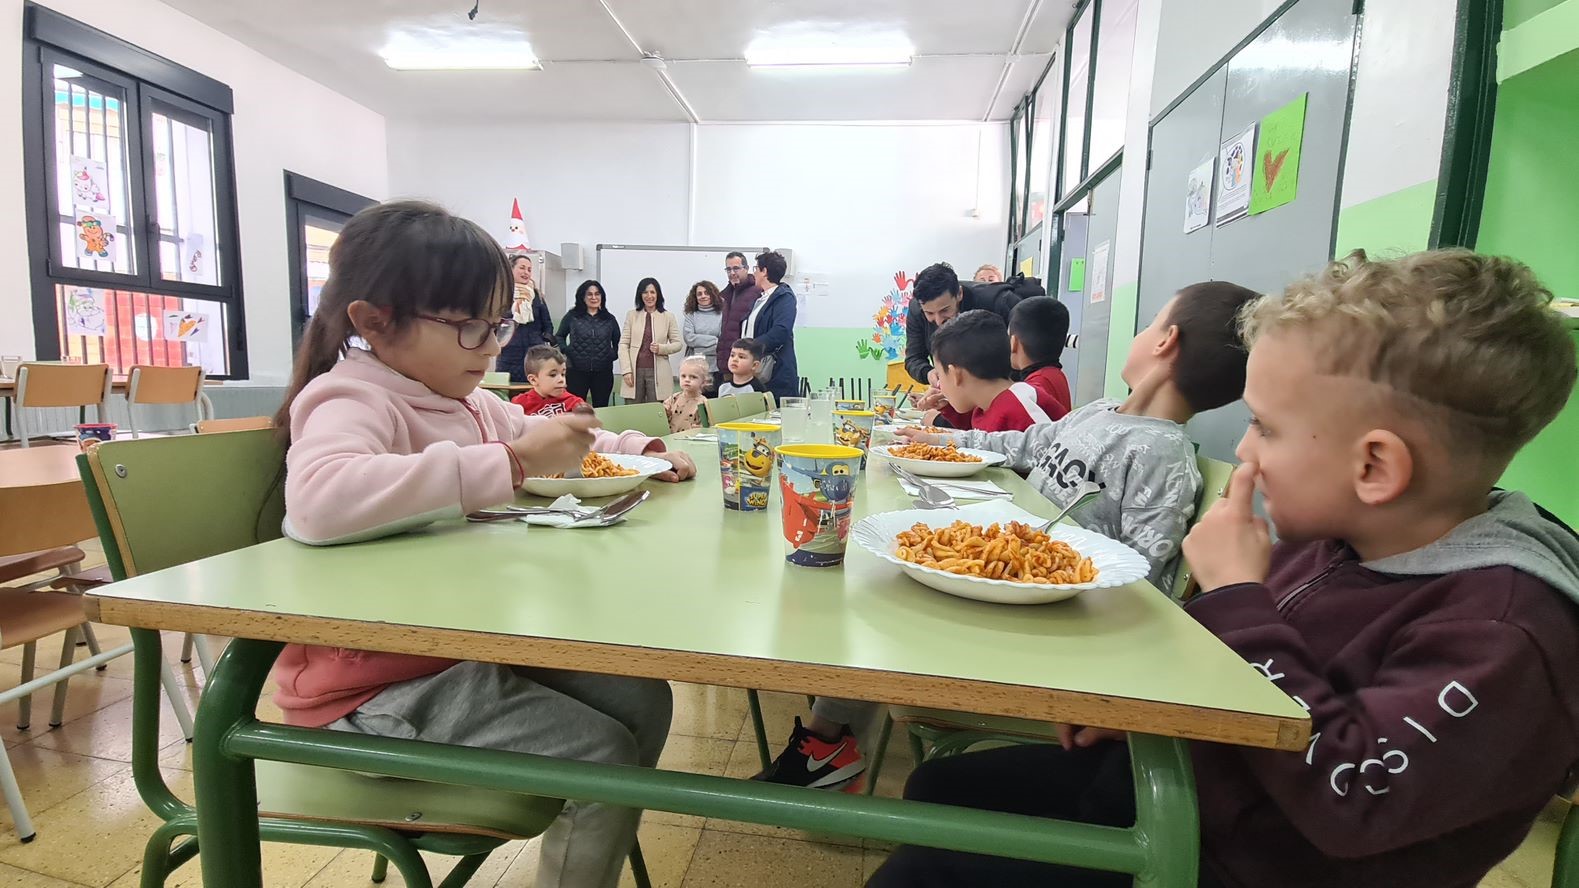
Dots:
pixel 737 299
pixel 938 296
pixel 772 324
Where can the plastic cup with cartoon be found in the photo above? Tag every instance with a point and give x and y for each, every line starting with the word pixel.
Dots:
pixel 853 428
pixel 885 406
pixel 90 432
pixel 817 498
pixel 745 463
pixel 848 404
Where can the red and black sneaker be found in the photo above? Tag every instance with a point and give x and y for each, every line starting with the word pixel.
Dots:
pixel 813 762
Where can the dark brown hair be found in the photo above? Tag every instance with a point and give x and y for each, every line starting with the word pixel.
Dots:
pixel 538 355
pixel 408 256
pixel 977 342
pixel 690 298
pixel 1210 369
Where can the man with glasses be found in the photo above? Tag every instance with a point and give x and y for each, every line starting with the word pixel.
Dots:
pixel 738 298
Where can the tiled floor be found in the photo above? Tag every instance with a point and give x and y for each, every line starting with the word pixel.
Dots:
pixel 91 825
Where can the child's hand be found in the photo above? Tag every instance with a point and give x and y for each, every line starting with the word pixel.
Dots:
pixel 919 436
pixel 1230 544
pixel 555 446
pixel 928 417
pixel 932 400
pixel 684 466
pixel 1070 736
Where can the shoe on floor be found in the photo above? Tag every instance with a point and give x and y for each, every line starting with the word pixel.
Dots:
pixel 810 761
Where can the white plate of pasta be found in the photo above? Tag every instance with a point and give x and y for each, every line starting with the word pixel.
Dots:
pixel 938 461
pixel 986 551
pixel 603 474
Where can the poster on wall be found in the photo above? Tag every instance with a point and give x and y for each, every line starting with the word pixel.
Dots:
pixel 184 326
pixel 515 230
pixel 1276 173
pixel 196 264
pixel 95 234
pixel 1233 176
pixel 90 184
pixel 887 341
pixel 1099 258
pixel 1198 196
pixel 85 313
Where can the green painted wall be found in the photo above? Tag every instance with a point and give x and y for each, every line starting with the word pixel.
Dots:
pixel 823 352
pixel 1393 223
pixel 1517 12
pixel 1532 213
pixel 1120 332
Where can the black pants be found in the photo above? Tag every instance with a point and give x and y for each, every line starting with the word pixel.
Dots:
pixel 1091 785
pixel 593 386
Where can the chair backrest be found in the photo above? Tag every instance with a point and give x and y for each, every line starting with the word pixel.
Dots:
pixel 772 402
pixel 1214 483
pixel 241 424
pixel 752 403
pixel 496 377
pixel 702 415
pixel 163 385
pixel 649 419
pixel 62 385
pixel 725 409
pixel 160 502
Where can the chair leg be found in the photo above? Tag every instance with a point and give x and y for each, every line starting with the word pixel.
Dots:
pixel 761 731
pixel 24 705
pixel 380 863
pixel 917 750
pixel 68 652
pixel 880 752
pixel 186 648
pixel 464 869
pixel 157 860
pixel 172 690
pixel 92 641
pixel 205 653
pixel 639 866
pixel 13 799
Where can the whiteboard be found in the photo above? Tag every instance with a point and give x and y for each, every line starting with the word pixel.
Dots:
pixel 621 266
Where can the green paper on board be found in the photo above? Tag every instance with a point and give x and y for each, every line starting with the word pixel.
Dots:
pixel 1275 177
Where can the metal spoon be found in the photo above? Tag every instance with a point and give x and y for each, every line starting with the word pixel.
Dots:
pixel 1089 490
pixel 929 496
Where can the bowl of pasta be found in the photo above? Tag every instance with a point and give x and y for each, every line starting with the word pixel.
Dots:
pixel 602 474
pixel 993 552
pixel 938 461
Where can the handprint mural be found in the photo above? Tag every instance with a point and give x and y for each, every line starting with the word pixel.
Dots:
pixel 887 341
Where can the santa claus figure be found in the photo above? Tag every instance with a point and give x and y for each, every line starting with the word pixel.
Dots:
pixel 515 239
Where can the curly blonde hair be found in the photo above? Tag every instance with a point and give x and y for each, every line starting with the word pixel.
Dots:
pixel 1467 343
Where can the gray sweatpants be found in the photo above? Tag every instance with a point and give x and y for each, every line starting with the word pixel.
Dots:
pixel 574 715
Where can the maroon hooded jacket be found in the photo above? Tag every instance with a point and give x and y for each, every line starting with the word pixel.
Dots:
pixel 1441 685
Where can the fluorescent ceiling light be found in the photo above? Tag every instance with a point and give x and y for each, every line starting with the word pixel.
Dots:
pixel 829 51
pixel 465 48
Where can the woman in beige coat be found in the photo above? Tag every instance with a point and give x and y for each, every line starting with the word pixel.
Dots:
pixel 649 337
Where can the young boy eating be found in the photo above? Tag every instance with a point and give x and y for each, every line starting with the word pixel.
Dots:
pixel 1425 619
pixel 1038 328
pixel 545 373
pixel 972 356
pixel 1189 359
pixel 745 359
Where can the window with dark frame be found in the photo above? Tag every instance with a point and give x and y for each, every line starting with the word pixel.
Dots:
pixel 131 204
pixel 314 214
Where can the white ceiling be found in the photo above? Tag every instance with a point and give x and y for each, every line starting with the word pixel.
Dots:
pixel 974 60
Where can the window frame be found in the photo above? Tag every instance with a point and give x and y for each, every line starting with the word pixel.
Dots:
pixel 50 38
pixel 305 196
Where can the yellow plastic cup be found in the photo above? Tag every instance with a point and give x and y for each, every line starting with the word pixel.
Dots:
pixel 853 428
pixel 745 463
pixel 817 493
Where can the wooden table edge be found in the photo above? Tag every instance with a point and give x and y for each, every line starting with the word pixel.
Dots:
pixel 1015 701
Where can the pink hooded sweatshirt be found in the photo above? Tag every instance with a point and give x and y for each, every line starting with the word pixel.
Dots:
pixel 375 453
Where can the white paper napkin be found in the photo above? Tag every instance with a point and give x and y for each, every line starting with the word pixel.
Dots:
pixel 566 519
pixel 980 490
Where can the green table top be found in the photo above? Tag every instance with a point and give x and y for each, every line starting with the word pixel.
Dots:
pixel 687 590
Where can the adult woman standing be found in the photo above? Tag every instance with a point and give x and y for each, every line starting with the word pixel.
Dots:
pixel 591 340
pixel 533 326
pixel 704 319
pixel 772 324
pixel 650 336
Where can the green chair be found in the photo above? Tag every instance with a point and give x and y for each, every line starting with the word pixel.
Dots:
pixel 649 419
pixel 752 403
pixel 163 502
pixel 772 402
pixel 725 409
pixel 1565 871
pixel 702 415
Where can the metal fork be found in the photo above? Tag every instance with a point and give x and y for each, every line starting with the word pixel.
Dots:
pixel 929 496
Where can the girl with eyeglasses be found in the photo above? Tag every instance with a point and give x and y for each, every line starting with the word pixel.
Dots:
pixel 388 431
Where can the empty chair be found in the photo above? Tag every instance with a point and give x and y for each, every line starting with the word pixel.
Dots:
pixel 59 385
pixel 241 424
pixel 165 385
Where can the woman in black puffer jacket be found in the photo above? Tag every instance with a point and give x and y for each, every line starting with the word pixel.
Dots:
pixel 590 338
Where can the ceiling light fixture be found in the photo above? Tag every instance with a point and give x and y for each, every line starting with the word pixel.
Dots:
pixel 462 49
pixel 822 51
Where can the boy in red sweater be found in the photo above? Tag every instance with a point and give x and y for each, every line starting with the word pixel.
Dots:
pixel 1038 328
pixel 1425 619
pixel 545 372
pixel 971 354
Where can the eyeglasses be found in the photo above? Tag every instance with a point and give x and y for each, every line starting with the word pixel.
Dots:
pixel 471 333
pixel 730 269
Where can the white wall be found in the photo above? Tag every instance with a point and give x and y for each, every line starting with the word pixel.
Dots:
pixel 854 202
pixel 283 121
